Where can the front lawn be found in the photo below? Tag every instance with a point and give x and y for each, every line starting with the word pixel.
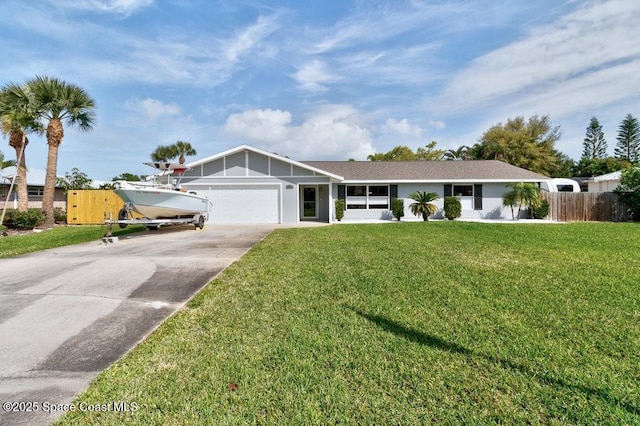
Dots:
pixel 405 323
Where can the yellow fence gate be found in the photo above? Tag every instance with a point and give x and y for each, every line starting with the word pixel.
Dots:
pixel 92 206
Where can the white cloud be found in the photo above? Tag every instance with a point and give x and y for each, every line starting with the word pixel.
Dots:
pixel 403 128
pixel 259 125
pixel 152 109
pixel 124 7
pixel 437 124
pixel 250 37
pixel 313 75
pixel 329 132
pixel 596 37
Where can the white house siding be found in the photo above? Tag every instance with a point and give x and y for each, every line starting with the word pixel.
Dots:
pixel 248 187
pixel 492 207
pixel 603 186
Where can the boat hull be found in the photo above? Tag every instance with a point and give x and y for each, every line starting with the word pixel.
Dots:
pixel 154 203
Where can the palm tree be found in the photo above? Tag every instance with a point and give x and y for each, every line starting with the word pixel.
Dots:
pixel 169 152
pixel 164 153
pixel 184 148
pixel 5 163
pixel 521 195
pixel 423 204
pixel 58 102
pixel 509 200
pixel 17 118
pixel 462 153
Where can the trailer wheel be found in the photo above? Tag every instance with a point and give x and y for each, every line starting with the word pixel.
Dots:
pixel 122 215
pixel 200 222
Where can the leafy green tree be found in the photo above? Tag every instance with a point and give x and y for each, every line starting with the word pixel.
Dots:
pixel 56 103
pixel 423 205
pixel 521 195
pixel 74 180
pixel 17 118
pixel 594 145
pixel 130 177
pixel 563 166
pixel 629 190
pixel 404 153
pixel 527 144
pixel 628 147
pixel 599 166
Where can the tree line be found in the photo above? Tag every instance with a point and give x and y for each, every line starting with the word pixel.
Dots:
pixel 530 144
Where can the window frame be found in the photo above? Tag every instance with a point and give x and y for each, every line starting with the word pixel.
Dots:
pixel 367 201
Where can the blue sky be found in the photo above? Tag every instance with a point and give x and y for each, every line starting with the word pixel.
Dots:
pixel 320 80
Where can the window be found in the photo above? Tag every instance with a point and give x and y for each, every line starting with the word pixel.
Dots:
pixel 463 190
pixel 371 197
pixel 35 191
pixel 356 191
pixel 379 190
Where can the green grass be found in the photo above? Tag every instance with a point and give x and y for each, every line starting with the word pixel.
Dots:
pixel 56 237
pixel 406 323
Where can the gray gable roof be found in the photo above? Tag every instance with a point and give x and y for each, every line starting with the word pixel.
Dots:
pixel 435 171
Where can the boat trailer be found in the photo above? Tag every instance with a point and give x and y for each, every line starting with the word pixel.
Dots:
pixel 126 217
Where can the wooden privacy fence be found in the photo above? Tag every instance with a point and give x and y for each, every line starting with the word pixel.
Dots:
pixel 92 206
pixel 585 206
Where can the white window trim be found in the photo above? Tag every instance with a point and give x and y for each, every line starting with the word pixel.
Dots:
pixel 368 199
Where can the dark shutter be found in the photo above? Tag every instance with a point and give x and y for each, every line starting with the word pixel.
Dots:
pixel 477 197
pixel 393 191
pixel 448 190
pixel 341 192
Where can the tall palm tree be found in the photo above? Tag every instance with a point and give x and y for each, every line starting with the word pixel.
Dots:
pixel 183 149
pixel 58 102
pixel 423 204
pixel 17 118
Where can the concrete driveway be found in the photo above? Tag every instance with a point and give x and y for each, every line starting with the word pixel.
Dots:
pixel 68 313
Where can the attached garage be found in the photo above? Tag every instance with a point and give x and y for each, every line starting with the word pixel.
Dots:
pixel 243 203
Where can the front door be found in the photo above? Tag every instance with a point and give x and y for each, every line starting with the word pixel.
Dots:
pixel 309 202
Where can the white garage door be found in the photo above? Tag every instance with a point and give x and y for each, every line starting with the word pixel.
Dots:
pixel 243 203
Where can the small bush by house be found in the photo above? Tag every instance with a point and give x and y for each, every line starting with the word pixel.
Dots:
pixel 452 207
pixel 397 208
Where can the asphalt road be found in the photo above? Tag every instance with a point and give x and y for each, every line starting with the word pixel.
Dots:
pixel 66 314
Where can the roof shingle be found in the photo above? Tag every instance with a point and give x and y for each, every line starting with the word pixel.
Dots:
pixel 486 170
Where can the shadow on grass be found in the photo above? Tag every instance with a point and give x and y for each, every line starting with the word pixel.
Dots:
pixel 426 339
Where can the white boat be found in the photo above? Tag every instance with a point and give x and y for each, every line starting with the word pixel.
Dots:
pixel 155 200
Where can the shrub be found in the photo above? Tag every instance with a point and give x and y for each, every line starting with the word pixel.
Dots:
pixel 339 209
pixel 3 230
pixel 629 190
pixel 452 207
pixel 25 220
pixel 540 210
pixel 397 208
pixel 59 215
